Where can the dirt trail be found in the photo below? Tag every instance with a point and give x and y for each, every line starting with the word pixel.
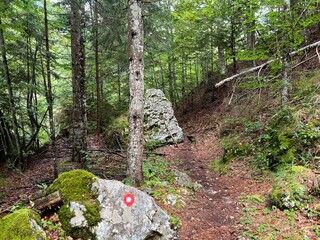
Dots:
pixel 213 213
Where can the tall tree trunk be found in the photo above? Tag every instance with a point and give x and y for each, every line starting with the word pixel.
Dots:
pixel 170 77
pixel 285 82
pixel 136 85
pixel 79 130
pixel 222 62
pixel 162 75
pixel 183 74
pixel 98 84
pixel 119 85
pixel 49 96
pixel 10 96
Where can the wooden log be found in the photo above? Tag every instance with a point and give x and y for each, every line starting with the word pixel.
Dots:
pixel 47 202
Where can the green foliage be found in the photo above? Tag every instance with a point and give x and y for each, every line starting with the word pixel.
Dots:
pixel 176 223
pixel 116 134
pixel 50 225
pixel 290 191
pixel 155 171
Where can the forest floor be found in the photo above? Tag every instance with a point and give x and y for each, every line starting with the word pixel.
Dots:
pixel 230 206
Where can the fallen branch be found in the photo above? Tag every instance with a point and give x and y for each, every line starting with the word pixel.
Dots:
pixel 47 202
pixel 243 73
pixel 316 44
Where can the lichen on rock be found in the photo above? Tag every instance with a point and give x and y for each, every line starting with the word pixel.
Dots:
pixel 22 224
pixel 161 126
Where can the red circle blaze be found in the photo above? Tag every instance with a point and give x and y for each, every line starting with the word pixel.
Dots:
pixel 128 199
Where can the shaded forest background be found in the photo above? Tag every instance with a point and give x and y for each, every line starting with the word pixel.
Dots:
pixel 187 43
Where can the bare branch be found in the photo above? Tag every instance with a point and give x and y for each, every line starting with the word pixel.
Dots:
pixel 316 44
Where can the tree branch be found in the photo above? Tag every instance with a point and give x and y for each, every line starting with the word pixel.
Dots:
pixel 264 64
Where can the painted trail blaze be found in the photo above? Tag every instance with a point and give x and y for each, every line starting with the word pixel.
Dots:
pixel 128 199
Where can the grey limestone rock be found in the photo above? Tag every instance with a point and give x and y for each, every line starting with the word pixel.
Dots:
pixel 160 124
pixel 128 213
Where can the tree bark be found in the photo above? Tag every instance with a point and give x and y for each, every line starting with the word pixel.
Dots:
pixel 79 130
pixel 98 84
pixel 49 96
pixel 222 62
pixel 136 85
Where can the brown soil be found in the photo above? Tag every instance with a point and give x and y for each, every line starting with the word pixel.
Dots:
pixel 214 212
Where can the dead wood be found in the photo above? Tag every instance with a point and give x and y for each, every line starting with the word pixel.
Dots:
pixel 264 64
pixel 47 202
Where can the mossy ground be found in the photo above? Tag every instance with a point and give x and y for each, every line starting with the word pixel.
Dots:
pixel 290 190
pixel 16 226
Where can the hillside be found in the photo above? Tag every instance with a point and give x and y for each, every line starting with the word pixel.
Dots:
pixel 227 151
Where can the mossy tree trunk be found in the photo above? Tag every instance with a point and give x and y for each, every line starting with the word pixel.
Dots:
pixel 79 130
pixel 136 85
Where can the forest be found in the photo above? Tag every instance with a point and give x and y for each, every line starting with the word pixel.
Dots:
pixel 241 76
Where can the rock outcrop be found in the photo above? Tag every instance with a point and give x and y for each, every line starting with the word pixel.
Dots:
pixel 160 124
pixel 127 213
pixel 108 209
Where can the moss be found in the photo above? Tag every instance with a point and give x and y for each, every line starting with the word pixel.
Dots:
pixel 17 226
pixel 92 214
pixel 290 190
pixel 64 216
pixel 74 185
pixel 116 134
pixel 300 170
pixel 220 166
pixel 79 232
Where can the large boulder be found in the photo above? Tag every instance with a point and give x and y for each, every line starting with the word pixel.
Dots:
pixel 22 224
pixel 106 209
pixel 129 214
pixel 160 124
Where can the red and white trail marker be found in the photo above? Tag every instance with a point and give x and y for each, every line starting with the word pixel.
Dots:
pixel 128 199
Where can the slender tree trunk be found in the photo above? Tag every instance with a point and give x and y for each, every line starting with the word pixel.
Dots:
pixel 197 72
pixel 98 85
pixel 79 131
pixel 136 85
pixel 222 62
pixel 170 77
pixel 10 96
pixel 183 74
pixel 162 76
pixel 49 95
pixel 119 86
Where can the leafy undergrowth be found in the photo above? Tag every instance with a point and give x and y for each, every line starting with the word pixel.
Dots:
pixel 271 139
pixel 262 221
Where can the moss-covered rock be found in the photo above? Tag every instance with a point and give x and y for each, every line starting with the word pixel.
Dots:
pixel 291 189
pixel 75 186
pixel 116 134
pixel 22 224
